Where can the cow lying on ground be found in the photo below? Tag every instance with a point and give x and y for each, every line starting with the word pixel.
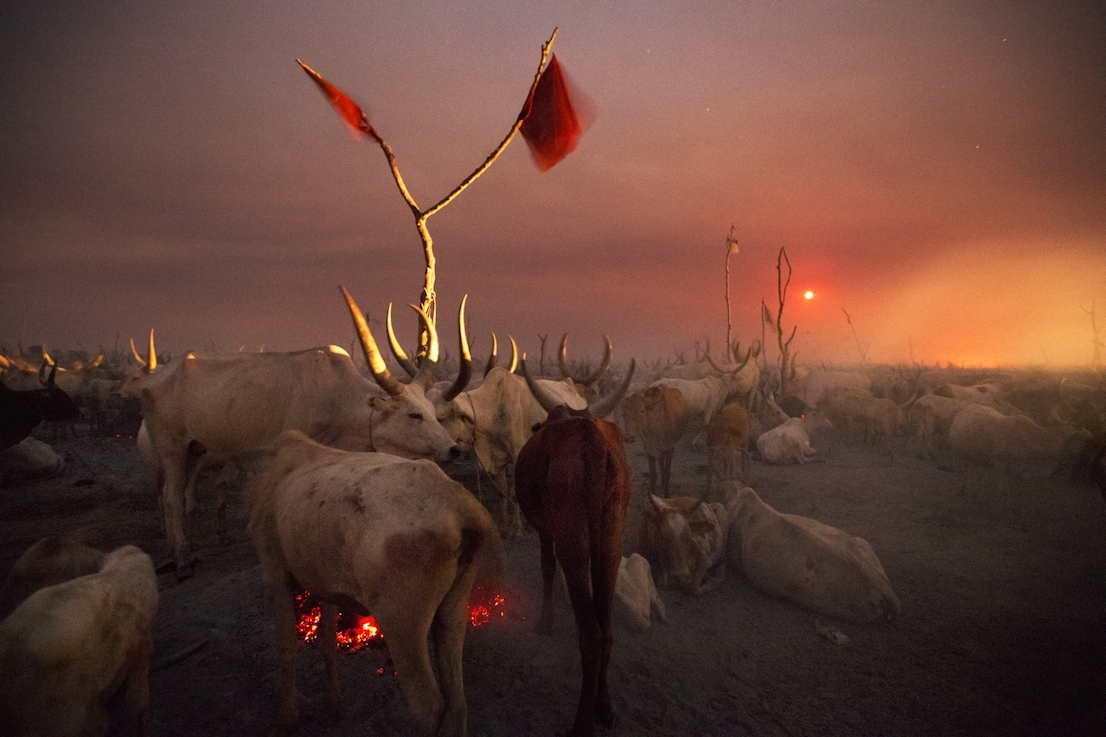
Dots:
pixel 685 539
pixel 985 435
pixel 69 648
pixel 379 534
pixel 818 567
pixel 790 441
pixel 636 595
pixel 28 459
pixel 573 485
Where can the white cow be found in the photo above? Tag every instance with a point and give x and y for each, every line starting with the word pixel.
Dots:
pixel 983 434
pixel 28 459
pixel 398 539
pixel 225 408
pixel 706 396
pixel 790 441
pixel 635 593
pixel 69 648
pixel 686 538
pixel 816 566
pixel 816 384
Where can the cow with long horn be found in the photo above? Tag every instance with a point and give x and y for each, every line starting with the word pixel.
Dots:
pixel 227 407
pixel 587 385
pixel 573 483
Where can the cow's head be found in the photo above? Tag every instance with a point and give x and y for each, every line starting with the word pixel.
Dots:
pixel 587 386
pixel 597 410
pixel 403 421
pixel 53 403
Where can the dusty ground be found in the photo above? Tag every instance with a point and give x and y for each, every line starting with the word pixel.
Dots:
pixel 1002 579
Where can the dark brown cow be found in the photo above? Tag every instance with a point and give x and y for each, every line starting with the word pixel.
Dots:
pixel 572 482
pixel 23 410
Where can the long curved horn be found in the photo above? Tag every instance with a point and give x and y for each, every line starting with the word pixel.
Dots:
pixel 607 404
pixel 547 401
pixel 464 371
pixel 594 376
pixel 137 358
pixel 147 364
pixel 429 367
pixel 397 350
pixel 715 366
pixel 379 371
pixel 748 355
pixel 493 357
pixel 562 358
pixel 603 368
pixel 514 356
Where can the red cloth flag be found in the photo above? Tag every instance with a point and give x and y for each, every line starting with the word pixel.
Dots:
pixel 351 114
pixel 558 116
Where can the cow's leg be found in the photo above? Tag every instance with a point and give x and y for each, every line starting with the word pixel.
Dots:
pixel 448 633
pixel 327 639
pixel 405 625
pixel 172 500
pixel 652 474
pixel 666 471
pixel 510 514
pixel 138 687
pixel 282 591
pixel 548 571
pixel 604 577
pixel 575 562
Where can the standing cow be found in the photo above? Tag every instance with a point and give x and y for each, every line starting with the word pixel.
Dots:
pixel 573 484
pixel 224 408
pixel 658 416
pixel 389 536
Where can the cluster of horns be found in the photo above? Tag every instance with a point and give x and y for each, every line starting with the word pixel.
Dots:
pixel 464 374
pixel 424 372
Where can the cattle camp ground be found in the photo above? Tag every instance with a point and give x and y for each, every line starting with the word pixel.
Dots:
pixel 1000 570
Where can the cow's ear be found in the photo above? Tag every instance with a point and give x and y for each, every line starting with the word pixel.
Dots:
pixel 657 502
pixel 379 404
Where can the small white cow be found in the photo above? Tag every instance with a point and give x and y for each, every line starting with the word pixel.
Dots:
pixel 384 535
pixel 816 566
pixel 790 441
pixel 69 648
pixel 28 459
pixel 635 593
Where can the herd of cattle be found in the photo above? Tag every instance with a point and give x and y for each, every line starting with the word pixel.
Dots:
pixel 347 498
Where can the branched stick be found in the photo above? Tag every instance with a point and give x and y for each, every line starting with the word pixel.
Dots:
pixel 786 360
pixel 428 298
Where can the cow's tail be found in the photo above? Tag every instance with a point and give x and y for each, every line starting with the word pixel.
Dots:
pixel 482 547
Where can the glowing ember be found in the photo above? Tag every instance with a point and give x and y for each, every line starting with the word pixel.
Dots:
pixel 484 605
pixel 356 632
pixel 353 632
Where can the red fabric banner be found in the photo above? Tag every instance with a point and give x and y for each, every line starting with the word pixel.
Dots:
pixel 351 114
pixel 558 116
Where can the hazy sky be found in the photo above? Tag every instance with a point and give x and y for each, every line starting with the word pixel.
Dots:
pixel 937 170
